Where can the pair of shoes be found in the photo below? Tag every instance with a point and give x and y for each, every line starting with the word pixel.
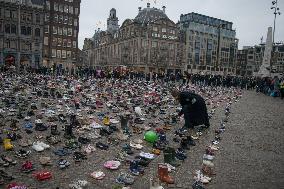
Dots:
pixel 79 156
pixel 27 167
pixel 125 178
pixel 62 163
pixel 40 146
pixel 135 168
pixel 22 153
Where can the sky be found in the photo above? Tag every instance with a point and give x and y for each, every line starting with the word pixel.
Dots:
pixel 251 18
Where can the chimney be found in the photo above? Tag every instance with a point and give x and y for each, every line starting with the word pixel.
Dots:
pixel 164 9
pixel 139 9
pixel 148 5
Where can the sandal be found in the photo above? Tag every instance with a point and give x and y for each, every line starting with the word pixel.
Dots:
pixel 8 160
pixel 113 165
pixel 125 178
pixel 97 175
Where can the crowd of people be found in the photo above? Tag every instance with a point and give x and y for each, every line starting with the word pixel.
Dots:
pixel 271 86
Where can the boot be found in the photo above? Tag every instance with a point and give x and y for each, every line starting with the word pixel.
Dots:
pixel 170 157
pixel 68 131
pixel 163 174
pixel 54 130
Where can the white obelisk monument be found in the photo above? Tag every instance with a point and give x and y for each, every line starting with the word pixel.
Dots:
pixel 264 70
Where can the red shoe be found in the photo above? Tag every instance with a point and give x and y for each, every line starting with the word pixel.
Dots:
pixel 44 175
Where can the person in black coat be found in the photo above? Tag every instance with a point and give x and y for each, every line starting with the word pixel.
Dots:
pixel 193 108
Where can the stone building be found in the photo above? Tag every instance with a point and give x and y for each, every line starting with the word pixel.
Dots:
pixel 21 33
pixel 61 33
pixel 249 59
pixel 211 44
pixel 150 42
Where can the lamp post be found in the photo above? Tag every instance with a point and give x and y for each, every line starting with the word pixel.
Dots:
pixel 220 26
pixel 276 12
pixel 19 37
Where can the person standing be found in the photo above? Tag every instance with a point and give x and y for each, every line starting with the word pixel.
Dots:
pixel 282 89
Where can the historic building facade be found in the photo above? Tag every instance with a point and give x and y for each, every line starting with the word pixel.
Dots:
pixel 21 33
pixel 211 44
pixel 249 59
pixel 150 42
pixel 61 33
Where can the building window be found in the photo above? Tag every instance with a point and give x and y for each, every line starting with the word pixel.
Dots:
pixel 45 42
pixel 60 19
pixel 70 9
pixel 54 30
pixel 66 8
pixel 59 31
pixel 7 44
pixel 29 31
pixel 68 54
pixel 63 53
pixel 47 5
pixel 55 17
pixel 37 18
pixel 54 41
pixel 154 43
pixel 23 30
pixel 46 19
pixel 13 29
pixel 76 11
pixel 75 34
pixel 61 8
pixel 65 31
pixel 155 28
pixel 7 28
pixel 74 44
pixel 69 31
pixel 164 30
pixel 64 43
pixel 75 22
pixel 37 32
pixel 46 29
pixel 69 44
pixel 53 53
pixel 70 21
pixel 59 42
pixel 58 53
pixel 55 7
pixel 65 20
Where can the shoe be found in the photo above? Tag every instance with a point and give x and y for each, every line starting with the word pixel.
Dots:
pixel 27 167
pixel 163 174
pixel 180 154
pixel 208 157
pixel 208 163
pixel 135 169
pixel 54 130
pixel 7 144
pixel 170 157
pixel 62 163
pixel 124 178
pixel 22 153
pixel 102 146
pixel 197 185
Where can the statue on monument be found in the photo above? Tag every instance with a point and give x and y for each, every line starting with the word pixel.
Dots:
pixel 264 70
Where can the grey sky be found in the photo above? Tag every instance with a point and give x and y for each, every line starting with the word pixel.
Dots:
pixel 250 18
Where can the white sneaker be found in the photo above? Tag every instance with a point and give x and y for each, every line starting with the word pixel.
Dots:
pixel 208 163
pixel 45 146
pixel 37 147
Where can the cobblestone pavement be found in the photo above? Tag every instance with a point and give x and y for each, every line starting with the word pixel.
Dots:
pixel 251 149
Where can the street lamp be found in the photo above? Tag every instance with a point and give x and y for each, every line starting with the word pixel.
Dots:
pixel 276 12
pixel 220 26
pixel 19 37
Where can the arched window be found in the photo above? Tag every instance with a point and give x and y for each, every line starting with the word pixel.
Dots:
pixel 13 29
pixel 37 32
